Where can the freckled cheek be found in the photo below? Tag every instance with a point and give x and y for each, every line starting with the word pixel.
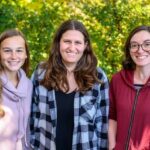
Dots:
pixel 5 56
pixel 81 50
pixel 132 55
pixel 63 47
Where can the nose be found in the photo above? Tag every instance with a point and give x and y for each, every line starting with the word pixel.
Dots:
pixel 13 55
pixel 140 49
pixel 72 46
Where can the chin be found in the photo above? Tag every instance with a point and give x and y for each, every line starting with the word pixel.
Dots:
pixel 142 65
pixel 14 70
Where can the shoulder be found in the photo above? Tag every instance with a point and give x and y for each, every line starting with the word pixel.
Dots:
pixel 39 72
pixel 103 85
pixel 118 79
pixel 30 84
pixel 24 78
pixel 101 74
pixel 123 77
pixel 118 75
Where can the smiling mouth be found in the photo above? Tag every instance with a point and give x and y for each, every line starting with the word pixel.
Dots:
pixel 141 57
pixel 71 54
pixel 13 63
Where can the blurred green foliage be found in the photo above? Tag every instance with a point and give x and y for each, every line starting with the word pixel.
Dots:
pixel 107 21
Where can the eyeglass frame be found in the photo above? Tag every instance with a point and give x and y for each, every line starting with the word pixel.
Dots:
pixel 139 45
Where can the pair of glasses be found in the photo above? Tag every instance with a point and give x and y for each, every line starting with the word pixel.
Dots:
pixel 135 46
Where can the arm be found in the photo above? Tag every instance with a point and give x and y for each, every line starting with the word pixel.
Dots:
pixel 102 112
pixel 27 145
pixel 34 131
pixel 26 141
pixel 112 130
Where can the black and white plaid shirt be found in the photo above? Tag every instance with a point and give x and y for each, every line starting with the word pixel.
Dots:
pixel 90 116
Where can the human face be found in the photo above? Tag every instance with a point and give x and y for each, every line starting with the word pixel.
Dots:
pixel 72 46
pixel 12 53
pixel 141 57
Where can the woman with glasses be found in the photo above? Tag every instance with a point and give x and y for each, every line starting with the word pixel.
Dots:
pixel 129 117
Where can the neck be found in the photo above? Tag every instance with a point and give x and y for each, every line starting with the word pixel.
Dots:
pixel 141 76
pixel 13 78
pixel 70 67
pixel 72 82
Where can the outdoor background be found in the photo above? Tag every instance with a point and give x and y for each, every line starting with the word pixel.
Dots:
pixel 107 21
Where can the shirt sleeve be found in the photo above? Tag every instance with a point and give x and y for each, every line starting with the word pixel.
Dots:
pixel 112 108
pixel 35 113
pixel 102 113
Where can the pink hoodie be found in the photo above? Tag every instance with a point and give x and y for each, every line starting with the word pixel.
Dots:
pixel 16 103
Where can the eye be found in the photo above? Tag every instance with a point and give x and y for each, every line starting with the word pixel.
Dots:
pixel 134 45
pixel 7 50
pixel 78 42
pixel 19 50
pixel 147 44
pixel 67 41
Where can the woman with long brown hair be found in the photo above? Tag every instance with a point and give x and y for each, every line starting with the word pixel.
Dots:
pixel 70 95
pixel 15 90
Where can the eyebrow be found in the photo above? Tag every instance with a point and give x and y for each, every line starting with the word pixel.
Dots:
pixel 148 40
pixel 11 48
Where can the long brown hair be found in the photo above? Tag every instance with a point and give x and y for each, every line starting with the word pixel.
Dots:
pixel 85 72
pixel 128 63
pixel 7 34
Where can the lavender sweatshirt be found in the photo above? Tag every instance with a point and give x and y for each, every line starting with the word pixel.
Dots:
pixel 16 104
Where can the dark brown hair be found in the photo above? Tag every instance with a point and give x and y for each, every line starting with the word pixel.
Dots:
pixel 7 34
pixel 128 62
pixel 85 72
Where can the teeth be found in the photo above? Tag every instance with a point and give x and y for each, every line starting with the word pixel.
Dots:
pixel 13 62
pixel 141 57
pixel 72 54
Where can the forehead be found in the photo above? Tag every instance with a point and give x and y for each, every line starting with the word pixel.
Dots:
pixel 141 36
pixel 73 34
pixel 14 40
